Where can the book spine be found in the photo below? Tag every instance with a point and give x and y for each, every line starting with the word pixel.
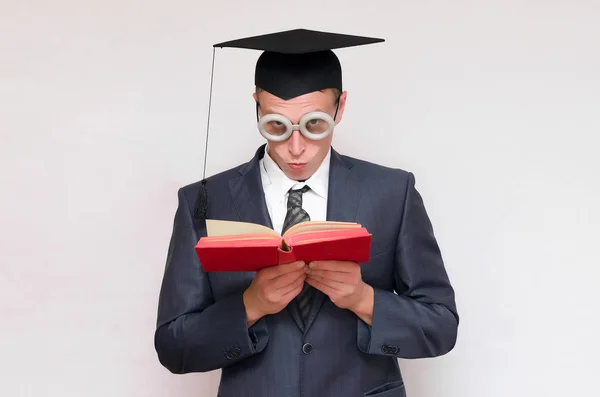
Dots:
pixel 286 256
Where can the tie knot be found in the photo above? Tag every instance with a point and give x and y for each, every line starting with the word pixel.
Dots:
pixel 302 190
pixel 295 197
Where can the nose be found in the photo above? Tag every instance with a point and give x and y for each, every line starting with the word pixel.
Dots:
pixel 296 144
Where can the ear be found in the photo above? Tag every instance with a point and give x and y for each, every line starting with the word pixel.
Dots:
pixel 255 96
pixel 342 107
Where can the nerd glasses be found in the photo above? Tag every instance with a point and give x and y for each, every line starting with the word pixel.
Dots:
pixel 314 125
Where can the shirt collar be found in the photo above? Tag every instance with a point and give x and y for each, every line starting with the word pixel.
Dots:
pixel 318 182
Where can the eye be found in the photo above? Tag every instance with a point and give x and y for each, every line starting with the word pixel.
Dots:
pixel 314 121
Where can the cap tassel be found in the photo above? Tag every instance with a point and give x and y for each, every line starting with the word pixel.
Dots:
pixel 201 205
pixel 201 202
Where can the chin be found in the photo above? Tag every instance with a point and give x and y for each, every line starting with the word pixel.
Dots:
pixel 298 175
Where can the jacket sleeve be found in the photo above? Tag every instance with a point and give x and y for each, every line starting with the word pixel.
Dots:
pixel 194 333
pixel 420 318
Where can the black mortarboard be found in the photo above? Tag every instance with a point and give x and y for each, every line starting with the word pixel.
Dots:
pixel 293 63
pixel 296 62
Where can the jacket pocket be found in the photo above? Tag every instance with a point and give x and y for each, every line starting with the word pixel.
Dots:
pixel 389 389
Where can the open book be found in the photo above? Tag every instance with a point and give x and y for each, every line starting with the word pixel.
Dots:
pixel 242 246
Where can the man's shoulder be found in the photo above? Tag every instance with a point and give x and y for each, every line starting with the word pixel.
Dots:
pixel 376 171
pixel 216 182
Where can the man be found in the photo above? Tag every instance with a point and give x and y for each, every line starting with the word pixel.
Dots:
pixel 326 328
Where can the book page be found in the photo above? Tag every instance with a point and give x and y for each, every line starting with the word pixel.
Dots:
pixel 320 225
pixel 308 237
pixel 229 228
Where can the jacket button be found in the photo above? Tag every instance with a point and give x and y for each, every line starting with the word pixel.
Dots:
pixel 307 348
pixel 232 353
pixel 385 349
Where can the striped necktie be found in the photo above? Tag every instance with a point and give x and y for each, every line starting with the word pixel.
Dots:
pixel 295 214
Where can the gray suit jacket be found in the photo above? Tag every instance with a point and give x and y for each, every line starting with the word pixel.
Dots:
pixel 201 317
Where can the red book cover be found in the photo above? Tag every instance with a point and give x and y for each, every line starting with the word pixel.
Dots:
pixel 239 246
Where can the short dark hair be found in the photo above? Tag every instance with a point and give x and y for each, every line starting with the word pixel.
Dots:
pixel 336 92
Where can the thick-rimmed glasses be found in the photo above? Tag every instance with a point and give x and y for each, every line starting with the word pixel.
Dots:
pixel 314 125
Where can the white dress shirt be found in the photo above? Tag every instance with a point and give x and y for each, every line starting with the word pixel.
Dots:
pixel 276 186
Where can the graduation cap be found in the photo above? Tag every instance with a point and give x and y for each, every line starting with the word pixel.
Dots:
pixel 292 63
pixel 296 62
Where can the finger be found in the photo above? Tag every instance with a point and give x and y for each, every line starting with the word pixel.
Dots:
pixel 338 266
pixel 280 270
pixel 324 288
pixel 286 279
pixel 292 290
pixel 342 277
pixel 336 285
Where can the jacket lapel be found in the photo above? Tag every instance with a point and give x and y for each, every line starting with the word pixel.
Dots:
pixel 344 190
pixel 247 193
pixel 342 205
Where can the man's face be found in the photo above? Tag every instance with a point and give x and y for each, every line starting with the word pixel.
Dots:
pixel 299 157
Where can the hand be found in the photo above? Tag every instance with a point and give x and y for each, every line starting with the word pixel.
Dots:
pixel 272 289
pixel 342 282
